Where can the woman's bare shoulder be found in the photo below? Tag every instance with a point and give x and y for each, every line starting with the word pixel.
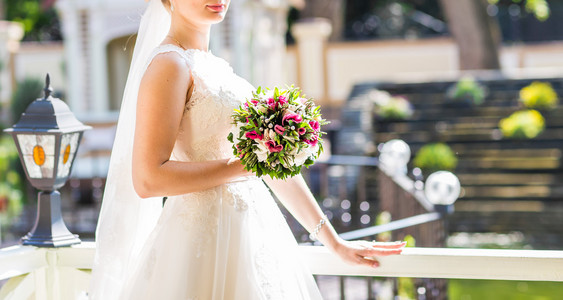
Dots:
pixel 169 62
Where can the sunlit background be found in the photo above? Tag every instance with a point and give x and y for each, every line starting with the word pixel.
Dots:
pixel 472 86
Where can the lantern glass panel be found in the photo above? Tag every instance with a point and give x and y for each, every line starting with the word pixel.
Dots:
pixel 69 145
pixel 38 153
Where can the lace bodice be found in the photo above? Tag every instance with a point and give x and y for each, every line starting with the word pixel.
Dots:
pixel 206 120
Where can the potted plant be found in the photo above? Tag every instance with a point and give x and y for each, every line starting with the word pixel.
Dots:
pixel 539 96
pixel 435 157
pixel 467 92
pixel 523 124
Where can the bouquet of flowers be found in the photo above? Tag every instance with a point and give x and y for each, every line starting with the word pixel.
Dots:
pixel 276 132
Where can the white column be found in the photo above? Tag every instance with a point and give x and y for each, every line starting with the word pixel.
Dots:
pixel 240 37
pixel 73 56
pixel 10 35
pixel 99 91
pixel 269 47
pixel 311 36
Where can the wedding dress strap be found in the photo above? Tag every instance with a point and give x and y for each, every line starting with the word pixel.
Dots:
pixel 170 48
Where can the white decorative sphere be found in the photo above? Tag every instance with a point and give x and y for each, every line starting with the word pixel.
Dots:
pixel 395 155
pixel 442 187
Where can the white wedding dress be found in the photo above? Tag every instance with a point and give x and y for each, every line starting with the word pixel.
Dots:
pixel 227 242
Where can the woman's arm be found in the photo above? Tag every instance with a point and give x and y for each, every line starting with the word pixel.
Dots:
pixel 299 201
pixel 162 98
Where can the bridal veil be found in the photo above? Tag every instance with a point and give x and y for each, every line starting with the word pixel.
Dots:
pixel 125 219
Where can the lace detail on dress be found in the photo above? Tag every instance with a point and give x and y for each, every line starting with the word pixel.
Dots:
pixel 200 216
pixel 237 197
pixel 267 267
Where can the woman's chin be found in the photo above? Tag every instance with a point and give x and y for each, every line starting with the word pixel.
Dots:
pixel 217 18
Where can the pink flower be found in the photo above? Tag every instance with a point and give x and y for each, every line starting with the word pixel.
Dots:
pixel 301 130
pixel 302 100
pixel 246 105
pixel 293 117
pixel 253 135
pixel 271 103
pixel 279 129
pixel 315 125
pixel 313 141
pixel 272 147
pixel 254 101
pixel 282 100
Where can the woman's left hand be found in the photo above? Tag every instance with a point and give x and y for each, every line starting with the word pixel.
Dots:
pixel 364 252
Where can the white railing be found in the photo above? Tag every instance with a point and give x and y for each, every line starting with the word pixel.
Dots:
pixel 64 273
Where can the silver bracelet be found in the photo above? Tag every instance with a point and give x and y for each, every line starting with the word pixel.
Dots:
pixel 313 235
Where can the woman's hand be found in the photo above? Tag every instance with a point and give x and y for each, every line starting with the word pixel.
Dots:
pixel 363 252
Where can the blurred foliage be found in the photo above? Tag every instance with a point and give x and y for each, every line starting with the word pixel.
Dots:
pixel 383 218
pixel 40 21
pixel 389 107
pixel 524 124
pixel 398 108
pixel 539 95
pixel 467 89
pixel 11 184
pixel 405 286
pixel 539 8
pixel 27 91
pixel 435 157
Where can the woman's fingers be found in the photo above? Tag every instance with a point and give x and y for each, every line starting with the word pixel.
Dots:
pixel 380 252
pixel 370 262
pixel 392 245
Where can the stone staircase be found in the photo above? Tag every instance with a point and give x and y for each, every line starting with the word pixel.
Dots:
pixel 508 185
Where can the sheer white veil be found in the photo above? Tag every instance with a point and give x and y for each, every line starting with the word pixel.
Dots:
pixel 125 219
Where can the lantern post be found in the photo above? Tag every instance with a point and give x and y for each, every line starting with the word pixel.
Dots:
pixel 47 138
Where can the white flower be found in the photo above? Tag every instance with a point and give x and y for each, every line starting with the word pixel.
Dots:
pixel 262 151
pixel 262 109
pixel 294 151
pixel 302 156
pixel 293 107
pixel 270 125
pixel 269 134
pixel 272 134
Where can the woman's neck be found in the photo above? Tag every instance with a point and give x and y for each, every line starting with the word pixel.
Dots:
pixel 189 35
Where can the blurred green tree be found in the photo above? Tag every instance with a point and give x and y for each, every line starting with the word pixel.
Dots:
pixel 26 92
pixel 39 18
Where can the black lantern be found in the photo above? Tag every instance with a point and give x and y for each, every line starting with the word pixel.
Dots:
pixel 47 137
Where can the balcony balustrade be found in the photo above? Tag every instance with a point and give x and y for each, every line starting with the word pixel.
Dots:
pixel 64 273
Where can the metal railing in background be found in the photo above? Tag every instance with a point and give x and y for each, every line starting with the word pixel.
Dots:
pixel 352 190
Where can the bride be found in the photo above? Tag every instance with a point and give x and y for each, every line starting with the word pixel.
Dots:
pixel 219 234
